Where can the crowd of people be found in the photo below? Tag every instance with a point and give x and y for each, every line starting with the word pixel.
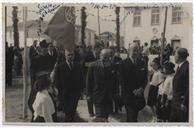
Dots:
pixel 157 49
pixel 61 77
pixel 13 57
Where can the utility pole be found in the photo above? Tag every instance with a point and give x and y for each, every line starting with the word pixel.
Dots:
pixel 5 23
pixel 163 38
pixel 98 21
pixel 83 26
pixel 117 11
pixel 15 26
pixel 25 74
pixel 124 29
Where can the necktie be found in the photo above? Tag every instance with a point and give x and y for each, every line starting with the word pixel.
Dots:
pixel 177 69
pixel 71 65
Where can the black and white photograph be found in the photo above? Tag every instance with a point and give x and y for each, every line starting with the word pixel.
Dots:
pixel 97 63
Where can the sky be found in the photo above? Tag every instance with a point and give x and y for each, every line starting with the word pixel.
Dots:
pixel 92 16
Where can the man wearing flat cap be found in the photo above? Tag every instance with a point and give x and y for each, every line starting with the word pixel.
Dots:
pixel 180 101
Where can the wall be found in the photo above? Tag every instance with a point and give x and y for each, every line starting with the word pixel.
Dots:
pixel 145 31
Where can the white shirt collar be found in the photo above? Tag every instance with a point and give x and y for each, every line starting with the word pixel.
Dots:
pixel 131 59
pixel 67 62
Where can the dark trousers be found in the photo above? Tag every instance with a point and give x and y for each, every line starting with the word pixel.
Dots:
pixel 116 105
pixel 70 109
pixel 178 115
pixel 32 77
pixel 132 113
pixel 9 75
pixel 102 110
pixel 61 100
pixel 90 107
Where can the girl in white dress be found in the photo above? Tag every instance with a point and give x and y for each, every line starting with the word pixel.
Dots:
pixel 167 90
pixel 44 107
pixel 156 80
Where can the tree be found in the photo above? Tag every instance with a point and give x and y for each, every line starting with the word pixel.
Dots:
pixel 83 25
pixel 15 26
pixel 117 11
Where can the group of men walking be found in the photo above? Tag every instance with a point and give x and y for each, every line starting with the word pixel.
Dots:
pixel 105 80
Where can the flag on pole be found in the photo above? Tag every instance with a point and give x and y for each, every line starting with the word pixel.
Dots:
pixel 61 28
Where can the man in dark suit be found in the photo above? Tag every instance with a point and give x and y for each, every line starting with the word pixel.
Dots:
pixel 117 102
pixel 100 85
pixel 180 101
pixel 89 58
pixel 52 55
pixel 133 77
pixel 41 62
pixel 32 54
pixel 69 81
pixel 9 64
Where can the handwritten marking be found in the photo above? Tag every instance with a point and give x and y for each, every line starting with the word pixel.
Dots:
pixel 45 9
pixel 102 6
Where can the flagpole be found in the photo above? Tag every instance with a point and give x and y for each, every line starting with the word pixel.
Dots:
pixel 117 11
pixel 25 75
pixel 124 28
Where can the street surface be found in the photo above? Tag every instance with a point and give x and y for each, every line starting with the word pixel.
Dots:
pixel 13 107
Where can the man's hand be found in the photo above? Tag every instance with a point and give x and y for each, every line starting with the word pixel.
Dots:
pixel 138 92
pixel 183 108
pixel 89 98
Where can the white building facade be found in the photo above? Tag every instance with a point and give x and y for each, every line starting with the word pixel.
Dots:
pixel 89 36
pixel 146 25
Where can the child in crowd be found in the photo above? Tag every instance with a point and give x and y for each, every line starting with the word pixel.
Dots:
pixel 156 80
pixel 165 97
pixel 43 106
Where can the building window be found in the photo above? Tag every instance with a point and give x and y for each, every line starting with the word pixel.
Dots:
pixel 136 41
pixel 175 43
pixel 137 18
pixel 176 15
pixel 155 16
